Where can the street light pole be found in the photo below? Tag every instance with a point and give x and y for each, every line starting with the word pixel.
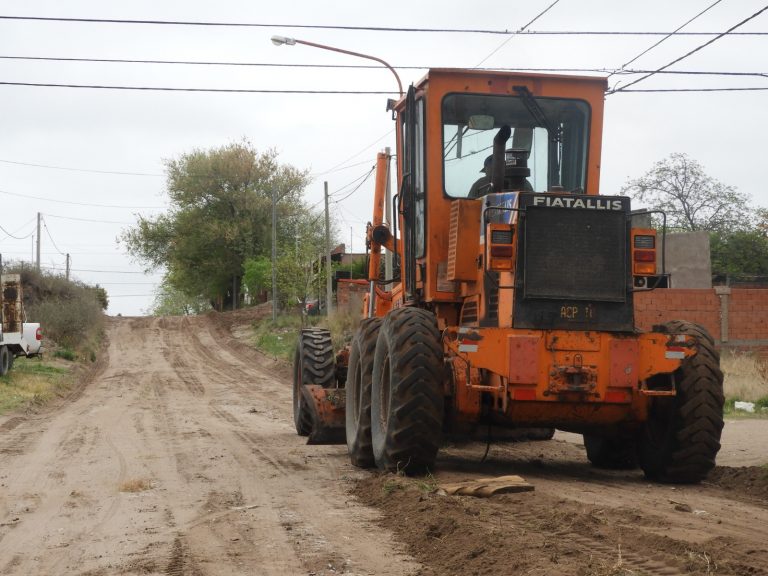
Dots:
pixel 284 40
pixel 274 255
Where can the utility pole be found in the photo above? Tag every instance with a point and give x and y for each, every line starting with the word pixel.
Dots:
pixel 37 262
pixel 328 279
pixel 274 255
pixel 67 265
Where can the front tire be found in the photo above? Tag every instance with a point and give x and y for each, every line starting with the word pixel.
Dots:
pixel 407 394
pixel 682 434
pixel 313 363
pixel 358 414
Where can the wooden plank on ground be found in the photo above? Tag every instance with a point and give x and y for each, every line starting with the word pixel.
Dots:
pixel 485 487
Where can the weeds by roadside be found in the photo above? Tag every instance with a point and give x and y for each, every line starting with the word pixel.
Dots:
pixel 31 382
pixel 746 380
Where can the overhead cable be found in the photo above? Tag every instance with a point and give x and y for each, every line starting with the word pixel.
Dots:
pixel 79 169
pixel 707 9
pixel 504 32
pixel 48 233
pixel 168 89
pixel 609 71
pixel 90 204
pixel 691 52
pixel 521 29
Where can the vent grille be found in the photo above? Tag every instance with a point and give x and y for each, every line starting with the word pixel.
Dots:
pixel 453 240
pixel 575 254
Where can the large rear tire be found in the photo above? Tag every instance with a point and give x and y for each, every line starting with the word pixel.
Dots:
pixel 407 392
pixel 611 453
pixel 5 360
pixel 358 414
pixel 313 363
pixel 682 434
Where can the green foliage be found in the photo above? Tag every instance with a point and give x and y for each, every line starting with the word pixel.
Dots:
pixel 739 253
pixel 278 338
pixel 31 382
pixel 102 297
pixel 70 313
pixel 691 199
pixel 219 217
pixel 170 301
pixel 258 275
pixel 65 354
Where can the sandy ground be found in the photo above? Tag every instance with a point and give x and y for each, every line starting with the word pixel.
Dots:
pixel 179 457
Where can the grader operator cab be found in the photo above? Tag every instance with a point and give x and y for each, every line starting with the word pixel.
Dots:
pixel 512 305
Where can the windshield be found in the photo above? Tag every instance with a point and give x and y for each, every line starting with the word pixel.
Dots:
pixel 547 148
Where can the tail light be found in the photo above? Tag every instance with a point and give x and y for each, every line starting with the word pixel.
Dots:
pixel 644 252
pixel 39 333
pixel 501 246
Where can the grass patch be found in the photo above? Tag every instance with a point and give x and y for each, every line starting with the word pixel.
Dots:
pixel 278 338
pixel 65 354
pixel 136 485
pixel 31 382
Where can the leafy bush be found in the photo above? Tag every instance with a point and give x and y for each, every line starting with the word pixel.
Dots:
pixel 70 313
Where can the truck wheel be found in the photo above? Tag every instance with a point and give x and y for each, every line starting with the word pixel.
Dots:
pixel 313 363
pixel 5 360
pixel 406 392
pixel 682 434
pixel 611 453
pixel 358 415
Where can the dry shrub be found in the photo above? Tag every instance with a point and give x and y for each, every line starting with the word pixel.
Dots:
pixel 746 376
pixel 136 485
pixel 71 313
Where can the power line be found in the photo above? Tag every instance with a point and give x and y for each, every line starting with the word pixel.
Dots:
pixel 168 89
pixel 707 9
pixel 48 233
pixel 79 169
pixel 609 71
pixel 504 32
pixel 650 90
pixel 77 203
pixel 9 235
pixel 367 147
pixel 19 228
pixel 89 220
pixel 707 43
pixel 356 188
pixel 500 46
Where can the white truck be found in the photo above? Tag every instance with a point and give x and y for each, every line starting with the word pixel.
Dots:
pixel 17 336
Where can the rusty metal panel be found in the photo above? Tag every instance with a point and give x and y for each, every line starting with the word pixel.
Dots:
pixel 573 341
pixel 523 359
pixel 625 359
pixel 462 257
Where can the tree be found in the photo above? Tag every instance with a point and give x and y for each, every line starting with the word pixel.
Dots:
pixel 740 253
pixel 258 275
pixel 219 217
pixel 169 301
pixel 691 199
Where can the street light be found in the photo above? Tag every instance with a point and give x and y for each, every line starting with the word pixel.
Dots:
pixel 284 40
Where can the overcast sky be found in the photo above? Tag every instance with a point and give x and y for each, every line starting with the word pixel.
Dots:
pixel 336 137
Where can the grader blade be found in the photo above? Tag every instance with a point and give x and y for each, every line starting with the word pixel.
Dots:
pixel 327 409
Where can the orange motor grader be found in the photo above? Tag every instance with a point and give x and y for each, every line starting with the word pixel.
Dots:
pixel 511 300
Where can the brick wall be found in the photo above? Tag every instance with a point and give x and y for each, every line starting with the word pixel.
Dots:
pixel 743 312
pixel 659 306
pixel 748 314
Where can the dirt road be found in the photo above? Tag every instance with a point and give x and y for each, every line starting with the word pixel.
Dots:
pixel 179 457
